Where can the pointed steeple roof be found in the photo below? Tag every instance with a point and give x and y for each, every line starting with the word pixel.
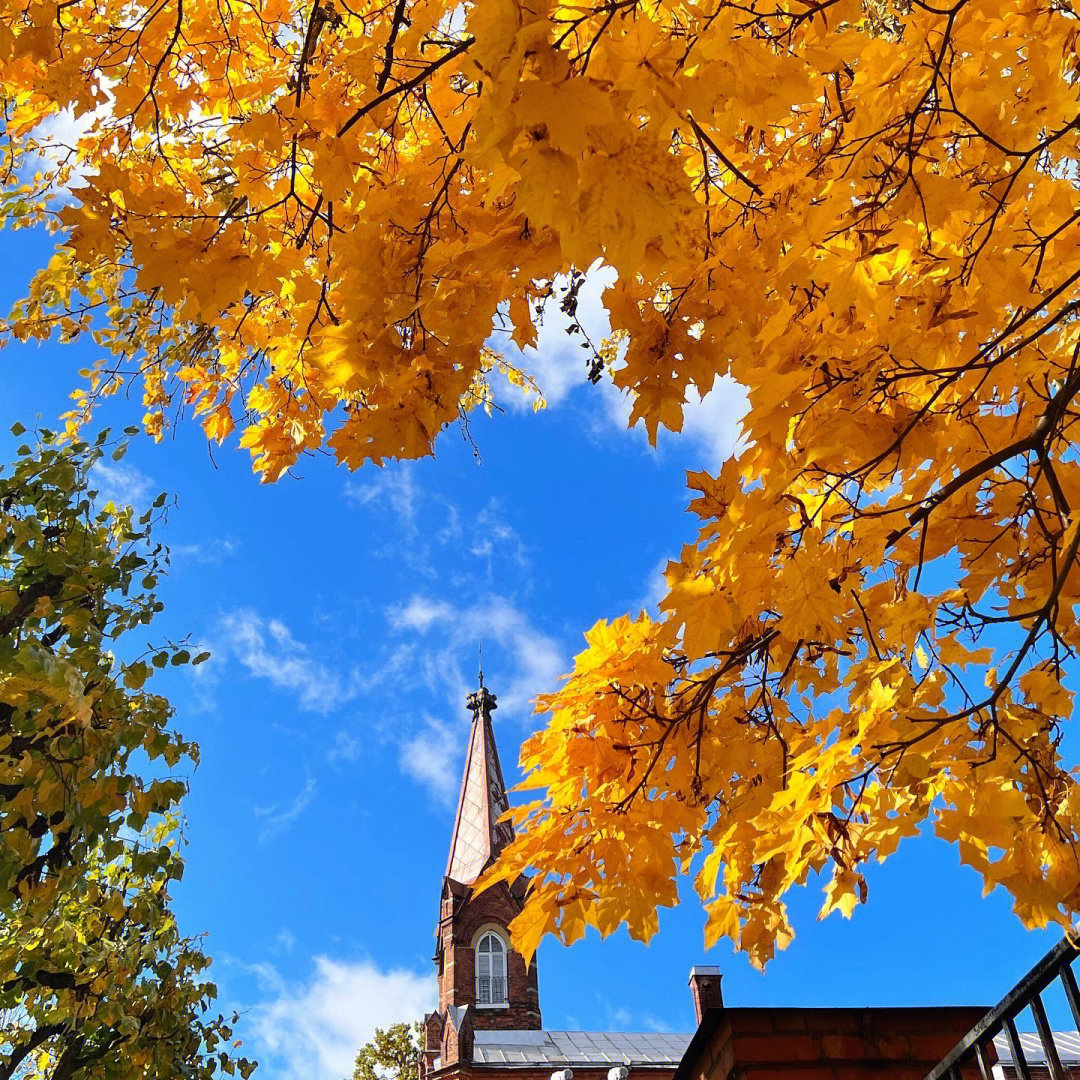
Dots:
pixel 477 838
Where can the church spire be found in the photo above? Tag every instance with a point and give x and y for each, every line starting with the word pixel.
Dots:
pixel 477 838
pixel 484 983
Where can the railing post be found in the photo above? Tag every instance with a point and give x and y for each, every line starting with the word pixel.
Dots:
pixel 1019 1061
pixel 1026 994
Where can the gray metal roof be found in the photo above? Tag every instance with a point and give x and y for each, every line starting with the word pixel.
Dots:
pixel 1067 1043
pixel 561 1048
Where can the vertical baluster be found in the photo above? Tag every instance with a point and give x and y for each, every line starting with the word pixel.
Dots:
pixel 1019 1061
pixel 1046 1037
pixel 1072 993
pixel 985 1067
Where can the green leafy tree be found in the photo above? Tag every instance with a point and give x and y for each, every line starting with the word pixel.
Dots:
pixel 96 980
pixel 392 1054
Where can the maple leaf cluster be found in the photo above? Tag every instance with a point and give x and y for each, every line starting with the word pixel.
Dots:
pixel 315 220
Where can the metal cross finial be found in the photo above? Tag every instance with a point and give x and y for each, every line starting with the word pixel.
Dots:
pixel 482 700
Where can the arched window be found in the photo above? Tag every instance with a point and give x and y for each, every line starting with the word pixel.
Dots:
pixel 491 970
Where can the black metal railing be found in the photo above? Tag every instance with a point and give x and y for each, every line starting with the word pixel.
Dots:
pixel 976 1045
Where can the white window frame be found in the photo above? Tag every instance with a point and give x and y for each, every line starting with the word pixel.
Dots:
pixel 503 951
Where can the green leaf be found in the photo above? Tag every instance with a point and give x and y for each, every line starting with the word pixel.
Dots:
pixel 135 675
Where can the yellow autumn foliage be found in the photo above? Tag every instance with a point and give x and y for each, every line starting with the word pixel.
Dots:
pixel 301 218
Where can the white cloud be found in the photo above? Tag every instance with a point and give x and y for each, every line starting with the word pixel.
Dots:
pixel 423 519
pixel 313 1029
pixel 424 757
pixel 57 137
pixel 713 421
pixel 346 747
pixel 205 552
pixel 655 587
pixel 124 484
pixel 452 529
pixel 395 486
pixel 421 613
pixel 492 534
pixel 268 649
pixel 278 816
pixel 558 363
pixel 621 1018
pixel 531 661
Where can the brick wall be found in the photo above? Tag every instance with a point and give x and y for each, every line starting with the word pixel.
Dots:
pixel 462 916
pixel 828 1044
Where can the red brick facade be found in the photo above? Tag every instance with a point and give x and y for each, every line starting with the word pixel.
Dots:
pixel 705 990
pixel 462 918
pixel 824 1044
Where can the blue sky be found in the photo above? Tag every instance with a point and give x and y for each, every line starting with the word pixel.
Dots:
pixel 344 611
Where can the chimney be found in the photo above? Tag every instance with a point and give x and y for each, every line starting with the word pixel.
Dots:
pixel 705 988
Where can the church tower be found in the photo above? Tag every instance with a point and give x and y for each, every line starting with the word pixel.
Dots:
pixel 483 982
